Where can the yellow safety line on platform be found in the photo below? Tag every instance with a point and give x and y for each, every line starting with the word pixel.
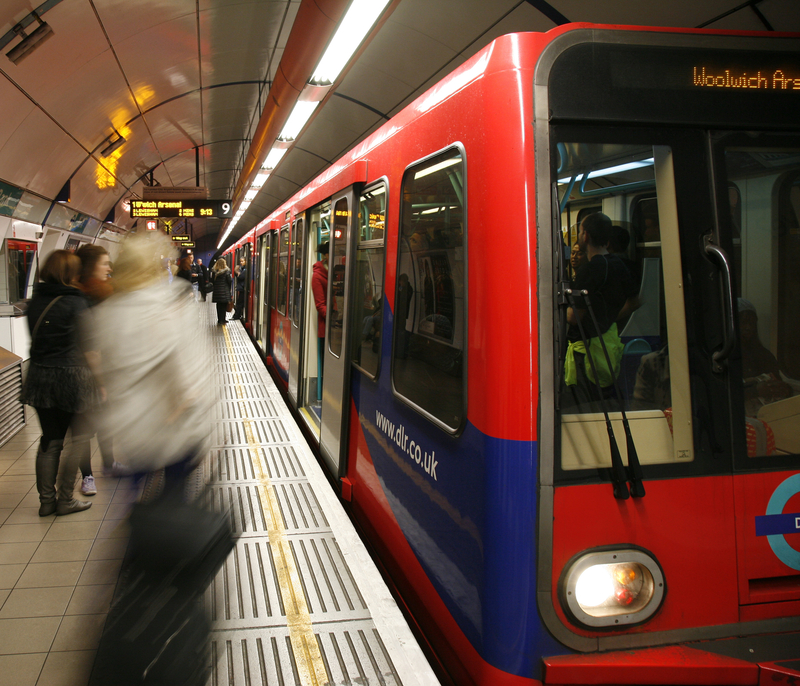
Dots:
pixel 308 658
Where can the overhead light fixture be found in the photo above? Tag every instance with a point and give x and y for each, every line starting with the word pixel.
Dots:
pixel 273 158
pixel 63 194
pixel 251 194
pixel 359 19
pixel 260 180
pixel 113 144
pixel 244 205
pixel 297 120
pixel 29 41
pixel 227 233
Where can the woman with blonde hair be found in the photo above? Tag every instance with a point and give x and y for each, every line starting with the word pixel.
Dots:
pixel 221 295
pixel 59 383
pixel 154 362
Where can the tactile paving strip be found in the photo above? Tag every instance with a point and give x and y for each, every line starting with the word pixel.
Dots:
pixel 355 655
pixel 250 639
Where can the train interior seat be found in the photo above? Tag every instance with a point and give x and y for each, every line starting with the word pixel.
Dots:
pixel 632 355
pixel 783 417
pixel 645 322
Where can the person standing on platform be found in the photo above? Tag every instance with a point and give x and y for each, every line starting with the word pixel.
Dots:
pixel 95 282
pixel 59 383
pixel 241 280
pixel 201 275
pixel 221 277
pixel 319 287
pixel 185 268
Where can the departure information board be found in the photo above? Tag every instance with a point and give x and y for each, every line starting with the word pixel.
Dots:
pixel 220 209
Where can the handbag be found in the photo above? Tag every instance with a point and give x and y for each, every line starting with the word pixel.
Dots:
pixel 230 306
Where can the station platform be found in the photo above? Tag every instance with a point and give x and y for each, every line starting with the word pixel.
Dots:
pixel 298 601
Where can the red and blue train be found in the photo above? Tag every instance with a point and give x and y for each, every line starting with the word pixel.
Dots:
pixel 525 547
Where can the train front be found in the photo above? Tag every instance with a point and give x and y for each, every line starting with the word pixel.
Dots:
pixel 668 238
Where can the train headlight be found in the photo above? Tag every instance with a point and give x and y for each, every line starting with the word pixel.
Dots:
pixel 612 588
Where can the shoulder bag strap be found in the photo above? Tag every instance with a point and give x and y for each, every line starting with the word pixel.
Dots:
pixel 41 316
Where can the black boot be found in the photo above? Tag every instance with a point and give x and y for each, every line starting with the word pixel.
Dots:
pixel 46 474
pixel 66 487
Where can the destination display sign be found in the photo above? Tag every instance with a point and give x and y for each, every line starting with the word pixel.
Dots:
pixel 220 209
pixel 682 84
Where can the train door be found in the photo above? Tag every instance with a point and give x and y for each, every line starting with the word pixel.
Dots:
pixel 336 364
pixel 279 332
pixel 246 253
pixel 296 305
pixel 758 196
pixel 263 290
pixel 257 295
pixel 310 377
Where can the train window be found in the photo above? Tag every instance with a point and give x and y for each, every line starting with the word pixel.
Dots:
pixel 644 218
pixel 336 264
pixel 296 292
pixel 367 331
pixel 430 297
pixel 765 222
pixel 632 272
pixel 283 270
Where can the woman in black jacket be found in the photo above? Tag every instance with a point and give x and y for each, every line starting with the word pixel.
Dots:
pixel 59 383
pixel 221 276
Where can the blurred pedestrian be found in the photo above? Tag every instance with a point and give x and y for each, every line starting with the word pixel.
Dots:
pixel 59 383
pixel 154 365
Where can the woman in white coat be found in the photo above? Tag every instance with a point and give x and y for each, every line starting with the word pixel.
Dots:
pixel 154 362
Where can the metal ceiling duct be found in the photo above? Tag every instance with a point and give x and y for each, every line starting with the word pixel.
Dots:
pixel 313 27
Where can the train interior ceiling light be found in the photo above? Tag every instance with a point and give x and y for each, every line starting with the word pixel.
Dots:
pixel 359 19
pixel 30 41
pixel 611 170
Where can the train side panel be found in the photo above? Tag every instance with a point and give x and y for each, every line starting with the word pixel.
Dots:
pixel 466 505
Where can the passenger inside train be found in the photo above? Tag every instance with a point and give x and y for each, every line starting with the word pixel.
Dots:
pixel 606 293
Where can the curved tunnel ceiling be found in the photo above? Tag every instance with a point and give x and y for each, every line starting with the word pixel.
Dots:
pixel 186 82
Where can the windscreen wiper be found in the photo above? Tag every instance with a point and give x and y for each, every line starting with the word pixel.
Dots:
pixel 618 480
pixel 634 466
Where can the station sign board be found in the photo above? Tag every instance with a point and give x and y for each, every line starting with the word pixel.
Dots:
pixel 221 209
